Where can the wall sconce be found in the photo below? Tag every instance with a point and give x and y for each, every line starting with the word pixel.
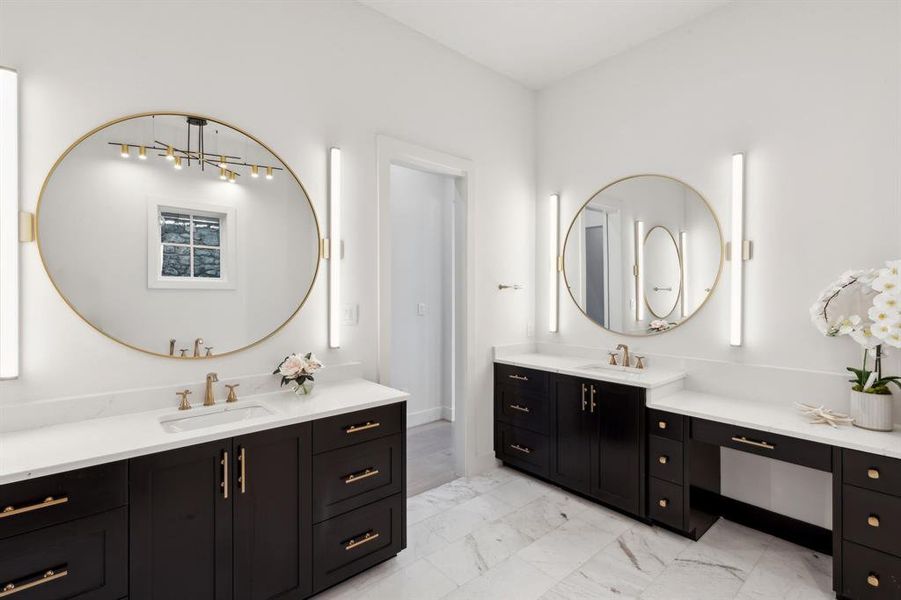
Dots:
pixel 9 223
pixel 737 249
pixel 638 270
pixel 683 248
pixel 554 261
pixel 334 247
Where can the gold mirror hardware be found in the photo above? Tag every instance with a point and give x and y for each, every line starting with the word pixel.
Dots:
pixel 743 440
pixel 594 404
pixel 232 395
pixel 522 449
pixel 663 459
pixel 873 580
pixel 663 503
pixel 518 377
pixel 46 577
pixel 224 483
pixel 873 521
pixel 363 427
pixel 184 404
pixel 661 424
pixel 520 408
pixel 26 227
pixel 367 537
pixel 584 402
pixel 11 511
pixel 873 473
pixel 242 478
pixel 365 474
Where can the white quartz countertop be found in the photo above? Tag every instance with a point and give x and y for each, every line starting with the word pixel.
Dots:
pixel 779 418
pixel 574 365
pixel 47 450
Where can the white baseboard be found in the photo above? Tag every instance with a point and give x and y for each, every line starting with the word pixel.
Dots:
pixel 421 417
pixel 447 413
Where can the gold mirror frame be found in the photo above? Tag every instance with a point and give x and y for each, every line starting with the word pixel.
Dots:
pixel 644 293
pixel 719 272
pixel 37 231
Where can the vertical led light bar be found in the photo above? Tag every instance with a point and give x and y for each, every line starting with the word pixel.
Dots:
pixel 737 246
pixel 683 248
pixel 9 224
pixel 639 270
pixel 334 235
pixel 553 219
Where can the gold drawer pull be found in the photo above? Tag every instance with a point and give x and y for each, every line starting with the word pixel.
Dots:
pixel 663 503
pixel 522 449
pixel 873 473
pixel 873 580
pixel 661 424
pixel 756 444
pixel 242 478
pixel 520 408
pixel 361 475
pixel 50 575
pixel 663 460
pixel 368 537
pixel 873 521
pixel 518 377
pixel 49 501
pixel 363 427
pixel 223 485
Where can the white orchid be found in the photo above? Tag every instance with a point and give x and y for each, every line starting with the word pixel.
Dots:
pixel 886 282
pixel 887 301
pixel 864 336
pixel 881 330
pixel 882 315
pixel 845 325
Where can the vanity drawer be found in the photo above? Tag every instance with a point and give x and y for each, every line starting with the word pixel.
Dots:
pixel 665 424
pixel 872 519
pixel 872 471
pixel 521 409
pixel 665 502
pixel 356 427
pixel 357 540
pixel 35 503
pixel 522 448
pixel 348 478
pixel 869 574
pixel 88 558
pixel 530 380
pixel 788 449
pixel 665 459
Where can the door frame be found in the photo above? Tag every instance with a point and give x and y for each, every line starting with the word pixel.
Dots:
pixel 392 151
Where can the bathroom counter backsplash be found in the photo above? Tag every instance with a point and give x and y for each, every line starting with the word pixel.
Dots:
pixel 29 453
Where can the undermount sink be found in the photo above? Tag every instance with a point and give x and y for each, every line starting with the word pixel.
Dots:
pixel 609 367
pixel 209 417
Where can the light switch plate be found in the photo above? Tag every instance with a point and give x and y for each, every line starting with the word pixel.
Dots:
pixel 350 314
pixel 420 309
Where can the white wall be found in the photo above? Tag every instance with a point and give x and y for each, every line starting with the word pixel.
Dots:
pixel 810 90
pixel 300 76
pixel 422 219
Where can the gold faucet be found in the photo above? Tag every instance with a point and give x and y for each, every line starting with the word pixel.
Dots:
pixel 184 404
pixel 208 399
pixel 627 362
pixel 197 344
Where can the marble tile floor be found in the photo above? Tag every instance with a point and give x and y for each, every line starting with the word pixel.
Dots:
pixel 502 535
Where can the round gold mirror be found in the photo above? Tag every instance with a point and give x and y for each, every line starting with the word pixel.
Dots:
pixel 178 235
pixel 643 254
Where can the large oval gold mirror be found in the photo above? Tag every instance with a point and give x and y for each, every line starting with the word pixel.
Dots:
pixel 643 255
pixel 178 235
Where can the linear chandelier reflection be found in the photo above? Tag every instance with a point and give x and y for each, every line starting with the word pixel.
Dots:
pixel 180 157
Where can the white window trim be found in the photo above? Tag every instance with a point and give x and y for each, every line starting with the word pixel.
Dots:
pixel 227 238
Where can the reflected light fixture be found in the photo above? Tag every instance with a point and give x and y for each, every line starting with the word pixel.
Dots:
pixel 334 246
pixel 638 270
pixel 170 153
pixel 123 151
pixel 255 171
pixel 736 250
pixel 223 174
pixel 9 224
pixel 553 258
pixel 683 286
pixel 142 152
pixel 268 172
pixel 232 178
pixel 178 163
pixel 222 163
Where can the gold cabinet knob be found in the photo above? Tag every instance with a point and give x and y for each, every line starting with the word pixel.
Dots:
pixel 873 521
pixel 873 473
pixel 873 580
pixel 663 503
pixel 663 460
pixel 661 424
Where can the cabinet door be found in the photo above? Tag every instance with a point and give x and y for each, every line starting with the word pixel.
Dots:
pixel 272 514
pixel 617 451
pixel 571 433
pixel 180 524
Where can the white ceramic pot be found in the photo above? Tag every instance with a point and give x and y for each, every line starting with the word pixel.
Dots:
pixel 872 411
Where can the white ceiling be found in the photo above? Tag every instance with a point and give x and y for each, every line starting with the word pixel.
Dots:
pixel 537 42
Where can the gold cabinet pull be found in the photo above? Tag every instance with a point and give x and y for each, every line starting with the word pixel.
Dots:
pixel 370 472
pixel 584 403
pixel 47 502
pixel 367 537
pixel 663 459
pixel 661 424
pixel 873 521
pixel 594 404
pixel 518 377
pixel 363 427
pixel 873 580
pixel 224 483
pixel 522 449
pixel 46 577
pixel 743 440
pixel 873 473
pixel 520 408
pixel 242 478
pixel 663 503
